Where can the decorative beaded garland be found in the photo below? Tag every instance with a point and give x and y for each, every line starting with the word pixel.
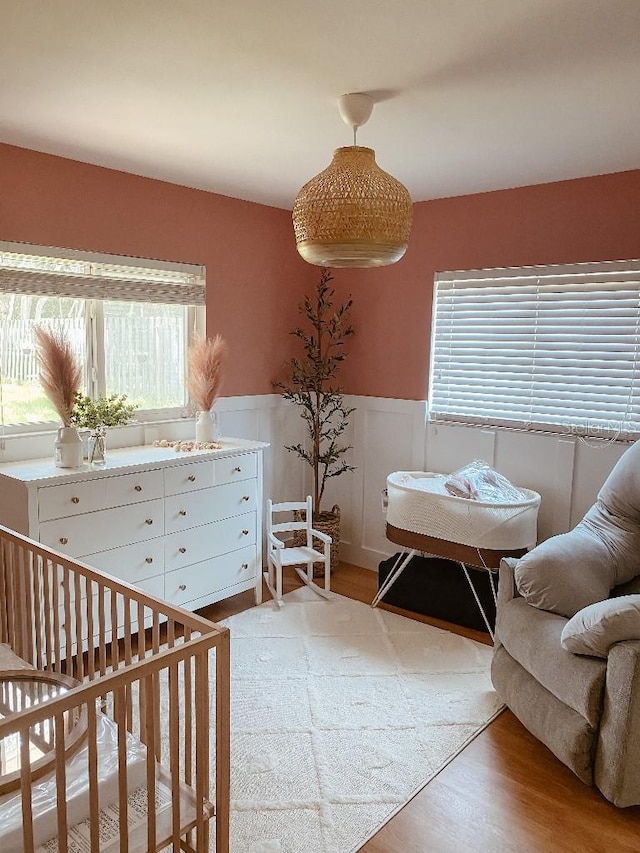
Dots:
pixel 187 446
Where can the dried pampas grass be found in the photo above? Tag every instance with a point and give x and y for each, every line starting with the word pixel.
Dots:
pixel 60 374
pixel 206 358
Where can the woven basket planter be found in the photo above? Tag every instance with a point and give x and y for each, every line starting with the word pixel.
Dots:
pixel 326 522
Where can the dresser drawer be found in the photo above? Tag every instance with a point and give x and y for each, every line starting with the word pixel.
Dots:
pixel 134 488
pixel 210 540
pixel 235 468
pixel 131 563
pixel 197 508
pixel 188 477
pixel 209 576
pixel 71 499
pixel 99 531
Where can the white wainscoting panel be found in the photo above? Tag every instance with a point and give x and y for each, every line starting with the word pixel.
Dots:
pixel 388 435
pixel 393 435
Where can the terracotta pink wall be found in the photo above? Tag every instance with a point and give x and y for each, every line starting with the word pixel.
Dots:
pixel 255 277
pixel 590 219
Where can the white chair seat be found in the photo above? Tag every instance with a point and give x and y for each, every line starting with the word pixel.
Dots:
pixel 280 554
pixel 292 556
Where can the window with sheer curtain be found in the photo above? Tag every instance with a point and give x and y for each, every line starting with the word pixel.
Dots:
pixel 552 348
pixel 129 321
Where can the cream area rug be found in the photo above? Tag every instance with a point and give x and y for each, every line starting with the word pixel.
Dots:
pixel 339 714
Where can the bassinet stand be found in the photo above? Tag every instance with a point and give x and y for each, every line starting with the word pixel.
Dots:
pixel 466 555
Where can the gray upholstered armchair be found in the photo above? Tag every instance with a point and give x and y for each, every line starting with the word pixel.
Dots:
pixel 567 653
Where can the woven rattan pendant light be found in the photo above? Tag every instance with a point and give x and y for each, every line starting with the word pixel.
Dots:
pixel 353 214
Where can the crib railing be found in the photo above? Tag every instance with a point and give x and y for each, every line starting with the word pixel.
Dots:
pixel 126 662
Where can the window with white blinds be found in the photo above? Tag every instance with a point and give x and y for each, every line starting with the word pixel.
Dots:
pixel 550 348
pixel 129 322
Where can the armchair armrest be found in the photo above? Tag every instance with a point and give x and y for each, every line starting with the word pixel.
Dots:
pixel 507 582
pixel 617 764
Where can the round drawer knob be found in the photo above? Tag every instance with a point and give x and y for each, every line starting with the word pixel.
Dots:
pixel 75 500
pixel 182 587
pixel 148 521
pixel 182 550
pixel 138 488
pixel 245 497
pixel 63 540
pixel 191 478
pixel 182 512
pixel 148 560
pixel 244 566
pixel 237 469
pixel 245 532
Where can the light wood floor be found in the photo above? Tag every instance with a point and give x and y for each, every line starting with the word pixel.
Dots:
pixel 504 792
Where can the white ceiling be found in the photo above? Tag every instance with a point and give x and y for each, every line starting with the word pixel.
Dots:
pixel 240 97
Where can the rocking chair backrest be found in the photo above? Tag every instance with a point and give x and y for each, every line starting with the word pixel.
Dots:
pixel 305 507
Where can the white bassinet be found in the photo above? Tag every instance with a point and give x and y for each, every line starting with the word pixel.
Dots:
pixel 419 502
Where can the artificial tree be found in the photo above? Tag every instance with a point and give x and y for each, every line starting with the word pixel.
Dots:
pixel 312 386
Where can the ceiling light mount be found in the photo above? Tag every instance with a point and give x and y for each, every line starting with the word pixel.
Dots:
pixel 353 214
pixel 355 110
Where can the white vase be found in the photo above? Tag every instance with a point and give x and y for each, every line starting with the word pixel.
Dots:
pixel 207 428
pixel 68 448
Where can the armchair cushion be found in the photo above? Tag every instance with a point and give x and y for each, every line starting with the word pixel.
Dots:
pixel 594 629
pixel 566 573
pixel 575 569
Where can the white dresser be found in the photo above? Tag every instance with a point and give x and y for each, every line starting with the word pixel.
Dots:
pixel 186 527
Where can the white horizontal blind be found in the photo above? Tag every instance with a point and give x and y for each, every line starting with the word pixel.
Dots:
pixel 555 348
pixel 41 271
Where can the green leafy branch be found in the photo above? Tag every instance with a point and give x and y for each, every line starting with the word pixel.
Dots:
pixel 98 413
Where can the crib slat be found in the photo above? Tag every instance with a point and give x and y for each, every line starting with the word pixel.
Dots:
pixel 37 597
pixel 156 687
pixel 102 652
pixel 22 597
pixel 92 761
pixel 11 598
pixel 120 718
pixel 223 742
pixel 188 719
pixel 61 783
pixel 50 605
pixel 150 727
pixel 25 784
pixel 202 740
pixel 174 753
pixel 66 591
pixel 91 658
pixel 128 657
pixel 79 632
pixel 4 568
pixel 115 646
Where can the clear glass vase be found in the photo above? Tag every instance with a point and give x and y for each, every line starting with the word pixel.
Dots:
pixel 97 447
pixel 207 428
